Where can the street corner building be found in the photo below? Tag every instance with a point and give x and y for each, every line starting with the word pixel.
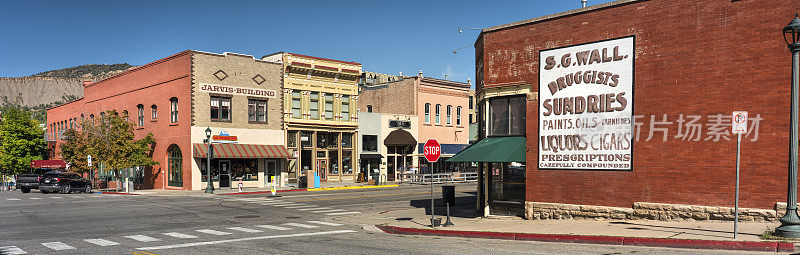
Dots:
pixel 237 97
pixel 623 110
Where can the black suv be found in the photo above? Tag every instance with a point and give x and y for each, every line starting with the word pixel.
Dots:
pixel 64 182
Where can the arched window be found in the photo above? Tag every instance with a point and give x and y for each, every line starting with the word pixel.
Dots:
pixel 438 113
pixel 427 113
pixel 175 163
pixel 173 110
pixel 449 115
pixel 458 116
pixel 140 115
pixel 154 113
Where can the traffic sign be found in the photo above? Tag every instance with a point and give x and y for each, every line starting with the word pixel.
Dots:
pixel 432 150
pixel 89 160
pixel 739 123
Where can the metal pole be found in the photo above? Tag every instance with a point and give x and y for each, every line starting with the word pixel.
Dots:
pixel 431 169
pixel 790 222
pixel 210 186
pixel 736 206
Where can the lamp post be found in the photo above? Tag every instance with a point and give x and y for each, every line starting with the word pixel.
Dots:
pixel 790 223
pixel 210 186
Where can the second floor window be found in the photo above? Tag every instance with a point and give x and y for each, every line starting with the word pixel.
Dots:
pixel 427 113
pixel 297 105
pixel 458 116
pixel 449 115
pixel 313 106
pixel 438 113
pixel 220 108
pixel 140 116
pixel 257 111
pixel 346 108
pixel 154 112
pixel 370 142
pixel 507 116
pixel 329 106
pixel 173 110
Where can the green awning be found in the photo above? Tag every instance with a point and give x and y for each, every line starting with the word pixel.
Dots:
pixel 493 149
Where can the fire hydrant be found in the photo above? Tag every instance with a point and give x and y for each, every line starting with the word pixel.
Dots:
pixel 240 184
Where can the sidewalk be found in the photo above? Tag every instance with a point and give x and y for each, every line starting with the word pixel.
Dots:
pixel 683 234
pixel 249 190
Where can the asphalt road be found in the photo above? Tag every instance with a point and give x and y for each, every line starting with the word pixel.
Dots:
pixel 294 223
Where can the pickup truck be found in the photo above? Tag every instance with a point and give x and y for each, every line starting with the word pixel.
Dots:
pixel 27 182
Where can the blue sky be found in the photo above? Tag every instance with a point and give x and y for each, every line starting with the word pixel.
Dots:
pixel 385 36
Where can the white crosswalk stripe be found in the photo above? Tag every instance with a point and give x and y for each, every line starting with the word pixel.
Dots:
pixel 101 242
pixel 341 213
pixel 300 225
pixel 179 235
pixel 213 232
pixel 56 197
pixel 248 230
pixel 58 246
pixel 324 223
pixel 310 209
pixel 333 210
pixel 13 199
pixel 273 227
pixel 35 198
pixel 283 205
pixel 143 238
pixel 11 250
pixel 270 202
pixel 301 206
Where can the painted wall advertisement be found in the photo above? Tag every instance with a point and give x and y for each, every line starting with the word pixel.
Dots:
pixel 586 106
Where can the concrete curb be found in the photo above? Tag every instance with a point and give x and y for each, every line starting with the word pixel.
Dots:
pixel 259 192
pixel 613 240
pixel 356 187
pixel 117 193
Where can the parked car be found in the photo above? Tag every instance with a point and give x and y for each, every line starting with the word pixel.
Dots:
pixel 27 182
pixel 64 182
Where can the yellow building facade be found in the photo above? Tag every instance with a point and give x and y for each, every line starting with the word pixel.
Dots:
pixel 320 115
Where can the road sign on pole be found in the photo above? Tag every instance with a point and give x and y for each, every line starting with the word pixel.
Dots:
pixel 89 160
pixel 738 127
pixel 432 151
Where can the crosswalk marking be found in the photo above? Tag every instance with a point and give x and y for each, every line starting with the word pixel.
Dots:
pixel 179 235
pixel 13 199
pixel 324 223
pixel 57 246
pixel 11 250
pixel 273 227
pixel 213 232
pixel 271 202
pixel 35 198
pixel 143 238
pixel 333 210
pixel 342 213
pixel 183 245
pixel 248 230
pixel 101 242
pixel 318 208
pixel 56 197
pixel 282 205
pixel 301 225
pixel 301 206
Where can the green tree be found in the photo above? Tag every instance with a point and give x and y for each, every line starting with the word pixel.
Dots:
pixel 111 142
pixel 21 141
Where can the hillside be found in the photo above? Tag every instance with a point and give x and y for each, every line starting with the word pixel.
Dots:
pixel 50 86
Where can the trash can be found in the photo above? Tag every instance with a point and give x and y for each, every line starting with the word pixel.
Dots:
pixel 448 194
pixel 377 178
pixel 302 182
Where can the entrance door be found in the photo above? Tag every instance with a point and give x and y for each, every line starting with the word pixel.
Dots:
pixel 322 169
pixel 390 168
pixel 224 173
pixel 271 173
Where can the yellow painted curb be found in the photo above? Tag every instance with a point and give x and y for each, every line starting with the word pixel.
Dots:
pixel 355 187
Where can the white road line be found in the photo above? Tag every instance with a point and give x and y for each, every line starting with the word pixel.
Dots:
pixel 273 227
pixel 326 211
pixel 179 235
pixel 14 199
pixel 301 206
pixel 96 196
pixel 101 242
pixel 301 225
pixel 56 197
pixel 11 250
pixel 318 208
pixel 248 230
pixel 324 223
pixel 213 232
pixel 270 202
pixel 58 246
pixel 282 205
pixel 241 239
pixel 342 213
pixel 143 238
pixel 35 198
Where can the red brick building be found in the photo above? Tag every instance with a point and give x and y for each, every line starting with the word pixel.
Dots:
pixel 691 64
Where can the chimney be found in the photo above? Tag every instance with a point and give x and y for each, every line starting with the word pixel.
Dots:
pixel 469 81
pixel 445 76
pixel 584 3
pixel 87 82
pixel 420 73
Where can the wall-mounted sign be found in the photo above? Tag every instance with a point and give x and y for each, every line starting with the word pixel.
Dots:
pixel 224 137
pixel 586 106
pixel 237 90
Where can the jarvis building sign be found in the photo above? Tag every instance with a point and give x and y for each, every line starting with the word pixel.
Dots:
pixel 586 106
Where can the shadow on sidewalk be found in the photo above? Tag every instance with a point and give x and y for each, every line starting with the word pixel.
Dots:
pixel 464 207
pixel 639 226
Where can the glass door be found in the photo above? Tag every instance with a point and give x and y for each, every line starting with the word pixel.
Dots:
pixel 224 173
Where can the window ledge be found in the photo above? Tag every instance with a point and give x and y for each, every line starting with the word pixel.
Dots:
pixel 174 124
pixel 155 120
pixel 256 122
pixel 223 121
pixel 139 128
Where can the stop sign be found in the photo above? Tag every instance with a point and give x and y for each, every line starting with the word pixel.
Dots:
pixel 432 150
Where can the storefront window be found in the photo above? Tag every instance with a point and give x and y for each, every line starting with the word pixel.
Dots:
pixel 333 140
pixel 245 169
pixel 322 138
pixel 175 163
pixel 291 139
pixel 305 139
pixel 347 140
pixel 333 163
pixel 347 158
pixel 507 181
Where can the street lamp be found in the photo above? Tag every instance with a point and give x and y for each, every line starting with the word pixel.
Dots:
pixel 210 186
pixel 790 223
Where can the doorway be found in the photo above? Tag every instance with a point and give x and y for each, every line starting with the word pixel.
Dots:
pixel 271 173
pixel 224 173
pixel 322 167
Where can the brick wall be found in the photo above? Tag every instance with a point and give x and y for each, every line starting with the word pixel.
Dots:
pixel 692 58
pixel 394 97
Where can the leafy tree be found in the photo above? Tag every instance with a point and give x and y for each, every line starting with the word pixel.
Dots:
pixel 21 141
pixel 111 141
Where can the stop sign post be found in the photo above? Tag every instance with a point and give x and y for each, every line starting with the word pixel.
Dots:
pixel 432 151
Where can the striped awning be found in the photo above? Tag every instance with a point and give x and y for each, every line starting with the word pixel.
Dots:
pixel 224 150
